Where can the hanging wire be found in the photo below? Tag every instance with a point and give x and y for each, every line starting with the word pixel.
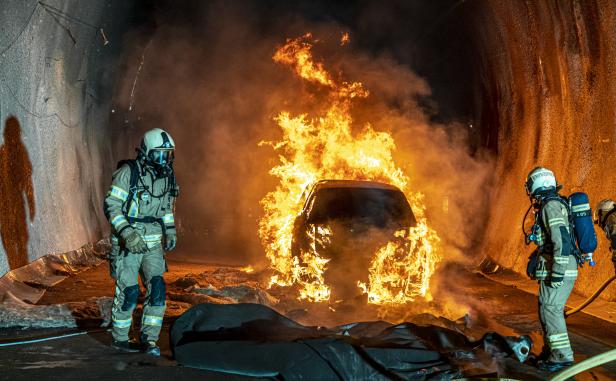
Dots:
pixel 66 28
pixel 58 14
pixel 30 112
pixel 63 15
pixel 23 29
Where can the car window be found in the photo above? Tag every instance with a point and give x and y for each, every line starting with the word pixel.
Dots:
pixel 373 206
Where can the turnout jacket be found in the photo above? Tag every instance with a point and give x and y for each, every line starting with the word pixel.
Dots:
pixel 556 260
pixel 150 211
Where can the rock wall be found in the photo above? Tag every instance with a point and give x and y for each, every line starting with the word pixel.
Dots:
pixel 549 89
pixel 56 81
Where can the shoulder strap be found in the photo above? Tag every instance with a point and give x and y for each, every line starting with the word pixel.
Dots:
pixel 174 189
pixel 134 177
pixel 574 244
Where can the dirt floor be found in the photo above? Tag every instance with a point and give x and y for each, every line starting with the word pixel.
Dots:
pixel 479 305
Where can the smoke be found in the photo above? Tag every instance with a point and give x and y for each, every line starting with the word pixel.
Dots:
pixel 207 77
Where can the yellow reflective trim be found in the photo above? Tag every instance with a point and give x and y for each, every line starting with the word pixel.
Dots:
pixel 118 220
pixel 571 273
pixel 560 346
pixel 134 209
pixel 152 320
pixel 118 193
pixel 561 260
pixel 559 342
pixel 580 207
pixel 168 219
pixel 152 238
pixel 558 336
pixel 122 323
pixel 556 221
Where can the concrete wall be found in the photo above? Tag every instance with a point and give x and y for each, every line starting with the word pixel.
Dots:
pixel 550 91
pixel 56 81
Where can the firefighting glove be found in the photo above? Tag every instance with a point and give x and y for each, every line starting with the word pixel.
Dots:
pixel 556 283
pixel 170 241
pixel 133 241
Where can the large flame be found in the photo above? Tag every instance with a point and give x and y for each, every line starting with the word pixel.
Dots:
pixel 326 147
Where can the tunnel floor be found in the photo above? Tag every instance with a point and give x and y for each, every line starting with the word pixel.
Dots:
pixel 494 306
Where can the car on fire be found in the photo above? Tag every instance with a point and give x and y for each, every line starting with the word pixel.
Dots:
pixel 347 221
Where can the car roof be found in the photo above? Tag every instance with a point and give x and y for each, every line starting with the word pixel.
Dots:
pixel 353 184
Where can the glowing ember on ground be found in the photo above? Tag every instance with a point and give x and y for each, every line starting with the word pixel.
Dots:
pixel 326 147
pixel 247 269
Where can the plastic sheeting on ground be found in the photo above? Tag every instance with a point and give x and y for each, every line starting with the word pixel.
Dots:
pixel 28 283
pixel 254 340
pixel 22 288
pixel 16 313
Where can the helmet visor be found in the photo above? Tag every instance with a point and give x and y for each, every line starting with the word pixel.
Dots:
pixel 161 157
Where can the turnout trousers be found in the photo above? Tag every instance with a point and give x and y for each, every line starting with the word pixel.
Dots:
pixel 126 267
pixel 552 316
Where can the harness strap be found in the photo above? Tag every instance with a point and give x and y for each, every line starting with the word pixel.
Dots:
pixel 563 201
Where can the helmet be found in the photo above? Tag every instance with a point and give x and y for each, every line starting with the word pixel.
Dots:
pixel 157 148
pixel 602 209
pixel 539 180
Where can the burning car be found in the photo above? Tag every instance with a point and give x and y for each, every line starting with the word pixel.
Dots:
pixel 347 222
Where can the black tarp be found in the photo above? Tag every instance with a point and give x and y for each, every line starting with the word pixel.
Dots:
pixel 254 340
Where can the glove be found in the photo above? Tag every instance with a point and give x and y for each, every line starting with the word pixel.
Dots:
pixel 133 241
pixel 556 284
pixel 170 241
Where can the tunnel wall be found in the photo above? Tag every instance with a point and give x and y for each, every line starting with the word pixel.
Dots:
pixel 56 80
pixel 549 96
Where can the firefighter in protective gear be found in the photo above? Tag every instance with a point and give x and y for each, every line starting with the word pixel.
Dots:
pixel 556 268
pixel 140 208
pixel 605 217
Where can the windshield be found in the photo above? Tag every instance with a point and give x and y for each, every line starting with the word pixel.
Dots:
pixel 378 207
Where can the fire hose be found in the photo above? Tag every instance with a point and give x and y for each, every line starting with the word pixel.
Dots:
pixel 592 297
pixel 585 365
pixel 58 337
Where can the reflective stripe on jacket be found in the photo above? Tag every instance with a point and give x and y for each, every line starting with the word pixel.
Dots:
pixel 150 200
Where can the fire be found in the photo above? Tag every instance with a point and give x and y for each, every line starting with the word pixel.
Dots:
pixel 326 147
pixel 247 269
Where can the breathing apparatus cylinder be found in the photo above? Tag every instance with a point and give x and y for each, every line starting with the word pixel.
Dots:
pixel 583 226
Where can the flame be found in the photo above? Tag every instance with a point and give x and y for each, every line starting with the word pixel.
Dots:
pixel 326 147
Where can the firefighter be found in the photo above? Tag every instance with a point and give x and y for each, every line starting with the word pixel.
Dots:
pixel 555 269
pixel 605 217
pixel 140 208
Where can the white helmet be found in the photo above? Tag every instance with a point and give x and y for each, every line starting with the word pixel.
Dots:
pixel 540 179
pixel 602 209
pixel 157 148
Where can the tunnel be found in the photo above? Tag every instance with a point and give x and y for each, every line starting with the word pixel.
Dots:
pixel 471 94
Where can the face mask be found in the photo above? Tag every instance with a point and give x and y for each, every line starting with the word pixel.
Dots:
pixel 161 158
